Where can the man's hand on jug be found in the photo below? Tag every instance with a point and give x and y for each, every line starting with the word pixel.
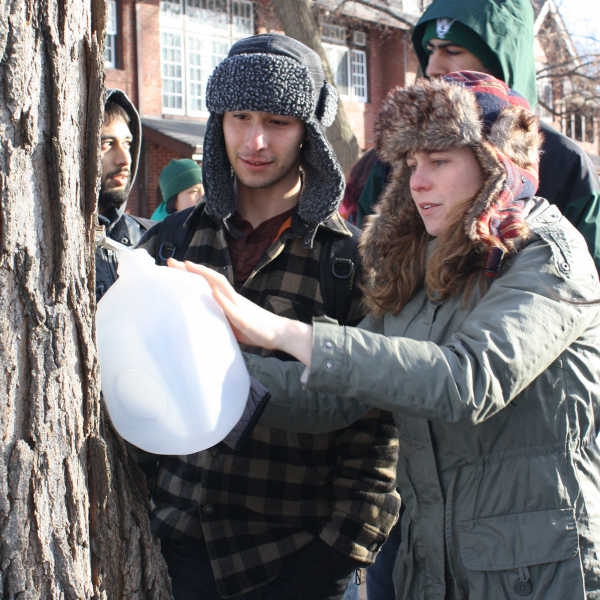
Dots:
pixel 251 324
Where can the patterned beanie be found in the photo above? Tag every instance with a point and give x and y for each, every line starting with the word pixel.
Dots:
pixel 479 111
pixel 275 74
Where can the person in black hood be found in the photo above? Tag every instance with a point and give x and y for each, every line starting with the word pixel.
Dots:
pixel 120 149
pixel 497 38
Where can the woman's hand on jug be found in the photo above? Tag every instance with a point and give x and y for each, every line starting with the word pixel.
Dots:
pixel 251 324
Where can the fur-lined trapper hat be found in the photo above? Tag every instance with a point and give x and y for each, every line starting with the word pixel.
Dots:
pixel 461 109
pixel 275 74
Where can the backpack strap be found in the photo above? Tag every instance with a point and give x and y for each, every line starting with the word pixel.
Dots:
pixel 340 268
pixel 174 235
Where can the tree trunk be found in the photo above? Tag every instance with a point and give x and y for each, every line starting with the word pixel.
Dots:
pixel 73 514
pixel 299 23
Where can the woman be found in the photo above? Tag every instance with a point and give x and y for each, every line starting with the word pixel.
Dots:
pixel 481 341
pixel 180 186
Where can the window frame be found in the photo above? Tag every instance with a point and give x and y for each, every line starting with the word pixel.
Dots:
pixel 110 41
pixel 168 110
pixel 189 28
pixel 351 53
pixel 190 111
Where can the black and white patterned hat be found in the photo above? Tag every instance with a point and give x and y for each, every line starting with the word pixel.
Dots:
pixel 275 74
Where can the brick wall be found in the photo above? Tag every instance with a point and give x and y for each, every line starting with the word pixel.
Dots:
pixel 124 76
pixel 158 158
pixel 150 60
pixel 386 61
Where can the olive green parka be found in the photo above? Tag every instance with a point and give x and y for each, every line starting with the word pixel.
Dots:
pixel 497 399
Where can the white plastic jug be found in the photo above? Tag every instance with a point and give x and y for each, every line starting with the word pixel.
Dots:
pixel 173 378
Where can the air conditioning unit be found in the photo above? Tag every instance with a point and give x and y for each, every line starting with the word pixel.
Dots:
pixel 359 38
pixel 333 33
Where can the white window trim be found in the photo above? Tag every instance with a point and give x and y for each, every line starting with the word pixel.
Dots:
pixel 170 23
pixel 240 36
pixel 165 109
pixel 356 97
pixel 190 112
pixel 111 35
pixel 352 97
pixel 189 29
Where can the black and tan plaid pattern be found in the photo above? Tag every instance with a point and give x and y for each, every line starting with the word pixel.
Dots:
pixel 256 505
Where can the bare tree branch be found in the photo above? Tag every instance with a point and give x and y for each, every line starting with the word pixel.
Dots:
pixel 403 18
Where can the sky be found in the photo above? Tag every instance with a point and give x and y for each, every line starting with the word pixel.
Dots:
pixel 582 18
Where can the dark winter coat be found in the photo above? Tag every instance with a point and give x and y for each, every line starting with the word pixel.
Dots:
pixel 280 490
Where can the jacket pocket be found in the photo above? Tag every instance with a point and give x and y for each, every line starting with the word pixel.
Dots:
pixel 533 555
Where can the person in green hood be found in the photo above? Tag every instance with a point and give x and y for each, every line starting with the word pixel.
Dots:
pixel 497 38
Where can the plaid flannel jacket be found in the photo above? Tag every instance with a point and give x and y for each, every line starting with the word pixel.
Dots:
pixel 265 501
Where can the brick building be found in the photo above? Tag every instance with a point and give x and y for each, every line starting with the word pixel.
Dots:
pixel 161 53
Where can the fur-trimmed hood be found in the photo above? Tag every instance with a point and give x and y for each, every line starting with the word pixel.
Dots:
pixel 461 109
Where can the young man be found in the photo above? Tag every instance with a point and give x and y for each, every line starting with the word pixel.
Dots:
pixel 120 149
pixel 285 515
pixel 497 38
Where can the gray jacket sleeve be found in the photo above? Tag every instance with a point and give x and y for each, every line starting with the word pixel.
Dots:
pixel 516 331
pixel 294 408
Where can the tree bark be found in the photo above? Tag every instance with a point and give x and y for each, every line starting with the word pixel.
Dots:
pixel 298 22
pixel 73 512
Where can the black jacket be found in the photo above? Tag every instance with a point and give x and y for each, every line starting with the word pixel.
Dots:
pixel 126 230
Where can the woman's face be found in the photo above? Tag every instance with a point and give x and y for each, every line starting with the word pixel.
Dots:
pixel 189 197
pixel 440 182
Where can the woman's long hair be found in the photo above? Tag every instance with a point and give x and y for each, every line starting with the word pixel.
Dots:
pixel 451 267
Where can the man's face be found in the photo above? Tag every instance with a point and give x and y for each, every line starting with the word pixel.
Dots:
pixel 263 149
pixel 447 57
pixel 115 156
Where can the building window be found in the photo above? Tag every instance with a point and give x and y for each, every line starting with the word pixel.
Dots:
pixel 195 37
pixel 333 33
pixel 545 96
pixel 171 46
pixel 110 45
pixel 349 68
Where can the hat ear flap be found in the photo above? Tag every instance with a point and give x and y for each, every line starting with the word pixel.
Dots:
pixel 516 134
pixel 327 105
pixel 216 169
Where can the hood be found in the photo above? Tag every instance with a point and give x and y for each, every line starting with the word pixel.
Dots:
pixel 506 26
pixel 135 125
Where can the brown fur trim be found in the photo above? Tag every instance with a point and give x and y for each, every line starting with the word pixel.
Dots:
pixel 516 134
pixel 430 116
pixel 433 115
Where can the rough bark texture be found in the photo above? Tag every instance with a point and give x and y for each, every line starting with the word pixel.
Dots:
pixel 73 521
pixel 298 22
